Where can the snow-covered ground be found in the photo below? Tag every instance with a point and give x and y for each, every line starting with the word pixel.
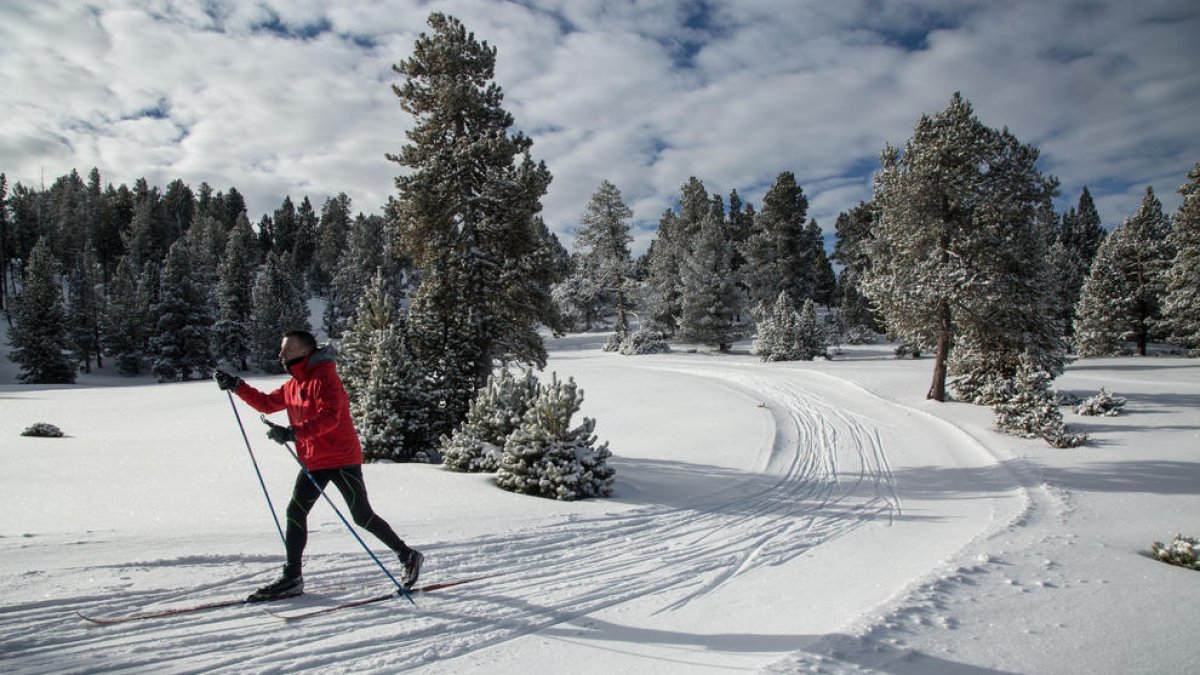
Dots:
pixel 793 517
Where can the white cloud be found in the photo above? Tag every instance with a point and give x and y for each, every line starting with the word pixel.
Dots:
pixel 293 96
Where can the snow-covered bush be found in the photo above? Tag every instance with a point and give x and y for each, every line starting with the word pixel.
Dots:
pixel 1102 404
pixel 1066 398
pixel 43 430
pixel 860 335
pixel 546 457
pixel 496 412
pixel 1183 551
pixel 637 343
pixel 1031 411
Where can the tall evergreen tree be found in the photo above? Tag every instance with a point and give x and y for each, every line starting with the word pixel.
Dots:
pixel 123 326
pixel 5 243
pixel 180 340
pixel 603 241
pixel 1182 305
pixel 366 253
pixel 467 210
pixel 306 237
pixel 663 287
pixel 85 294
pixel 779 251
pixel 278 306
pixel 710 299
pixel 40 336
pixel 853 229
pixel 231 340
pixel 1122 297
pixel 1071 254
pixel 333 236
pixel 955 254
pixel 821 278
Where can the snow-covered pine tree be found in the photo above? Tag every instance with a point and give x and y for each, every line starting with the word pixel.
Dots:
pixel 378 311
pixel 497 411
pixel 392 408
pixel 1071 254
pixel 711 300
pixel 123 323
pixel 366 253
pixel 821 279
pixel 467 206
pixel 853 229
pixel 955 253
pixel 40 336
pixel 582 301
pixel 546 457
pixel 179 343
pixel 278 306
pixel 1122 295
pixel 333 237
pixel 235 279
pixel 783 334
pixel 775 331
pixel 603 243
pixel 663 287
pixel 85 295
pixel 1031 410
pixel 778 251
pixel 1181 309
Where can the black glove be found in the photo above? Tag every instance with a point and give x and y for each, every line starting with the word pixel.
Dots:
pixel 226 381
pixel 280 434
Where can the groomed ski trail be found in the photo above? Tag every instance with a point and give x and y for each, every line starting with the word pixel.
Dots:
pixel 825 474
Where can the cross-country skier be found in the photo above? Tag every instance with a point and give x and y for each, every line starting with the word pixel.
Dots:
pixel 328 447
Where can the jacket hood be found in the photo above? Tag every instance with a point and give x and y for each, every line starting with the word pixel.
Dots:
pixel 323 354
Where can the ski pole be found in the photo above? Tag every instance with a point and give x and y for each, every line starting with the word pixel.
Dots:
pixel 400 587
pixel 254 461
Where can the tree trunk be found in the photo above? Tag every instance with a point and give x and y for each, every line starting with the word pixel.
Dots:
pixel 937 390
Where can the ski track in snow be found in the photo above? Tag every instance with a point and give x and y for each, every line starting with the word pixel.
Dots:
pixel 825 474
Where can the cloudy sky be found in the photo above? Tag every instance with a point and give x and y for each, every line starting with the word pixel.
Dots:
pixel 293 97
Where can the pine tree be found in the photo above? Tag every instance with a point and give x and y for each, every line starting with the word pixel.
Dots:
pixel 305 245
pixel 581 298
pixel 1030 410
pixel 378 310
pixel 497 411
pixel 710 298
pixel 1181 308
pixel 853 230
pixel 366 254
pixel 85 293
pixel 393 408
pixel 180 340
pixel 124 322
pixel 783 334
pixel 779 251
pixel 821 278
pixel 603 241
pixel 1071 255
pixel 333 236
pixel 663 286
pixel 955 255
pixel 278 306
pixel 546 457
pixel 5 242
pixel 1125 287
pixel 231 341
pixel 467 209
pixel 39 335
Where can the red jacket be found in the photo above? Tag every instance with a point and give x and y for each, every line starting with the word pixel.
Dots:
pixel 318 411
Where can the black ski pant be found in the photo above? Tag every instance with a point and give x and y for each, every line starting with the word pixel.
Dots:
pixel 349 481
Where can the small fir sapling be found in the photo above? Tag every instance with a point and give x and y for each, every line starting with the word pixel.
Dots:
pixel 1102 404
pixel 546 457
pixel 1182 551
pixel 1031 411
pixel 497 411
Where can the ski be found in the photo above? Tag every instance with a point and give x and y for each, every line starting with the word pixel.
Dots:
pixel 367 601
pixel 174 611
